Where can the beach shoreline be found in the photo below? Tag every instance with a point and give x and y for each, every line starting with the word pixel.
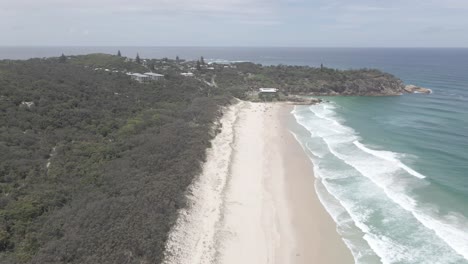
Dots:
pixel 255 201
pixel 316 237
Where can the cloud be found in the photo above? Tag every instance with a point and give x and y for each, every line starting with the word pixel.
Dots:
pixel 364 8
pixel 211 6
pixel 259 22
pixel 227 22
pixel 448 4
pixel 258 12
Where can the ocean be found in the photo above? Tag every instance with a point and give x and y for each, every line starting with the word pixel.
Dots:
pixel 392 171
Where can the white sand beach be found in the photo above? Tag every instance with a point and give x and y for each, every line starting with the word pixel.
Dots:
pixel 255 201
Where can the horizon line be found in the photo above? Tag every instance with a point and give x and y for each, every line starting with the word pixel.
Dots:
pixel 221 46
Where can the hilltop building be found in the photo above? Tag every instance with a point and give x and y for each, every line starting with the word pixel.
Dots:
pixel 146 77
pixel 139 77
pixel 187 74
pixel 154 76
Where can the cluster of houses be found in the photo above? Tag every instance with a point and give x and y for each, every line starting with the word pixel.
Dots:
pixel 185 68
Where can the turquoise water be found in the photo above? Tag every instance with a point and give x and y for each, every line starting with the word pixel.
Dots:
pixel 393 171
pixel 391 187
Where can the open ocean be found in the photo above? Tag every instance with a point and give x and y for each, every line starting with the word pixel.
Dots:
pixel 392 171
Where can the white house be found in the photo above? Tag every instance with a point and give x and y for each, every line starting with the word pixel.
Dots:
pixel 268 90
pixel 154 76
pixel 140 77
pixel 268 93
pixel 187 74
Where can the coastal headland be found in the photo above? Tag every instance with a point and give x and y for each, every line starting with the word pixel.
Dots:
pixel 255 200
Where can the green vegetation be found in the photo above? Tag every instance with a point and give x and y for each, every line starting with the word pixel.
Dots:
pixel 137 59
pixel 304 80
pixel 63 58
pixel 94 166
pixel 106 61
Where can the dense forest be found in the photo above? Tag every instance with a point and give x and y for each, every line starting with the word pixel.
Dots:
pixel 93 165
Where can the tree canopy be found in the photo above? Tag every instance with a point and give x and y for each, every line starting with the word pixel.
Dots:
pixel 137 59
pixel 93 165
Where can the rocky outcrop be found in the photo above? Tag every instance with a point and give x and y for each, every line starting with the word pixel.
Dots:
pixel 416 89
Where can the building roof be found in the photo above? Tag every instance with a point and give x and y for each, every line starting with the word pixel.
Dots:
pixel 154 74
pixel 138 75
pixel 268 90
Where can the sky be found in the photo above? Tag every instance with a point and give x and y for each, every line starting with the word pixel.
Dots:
pixel 286 23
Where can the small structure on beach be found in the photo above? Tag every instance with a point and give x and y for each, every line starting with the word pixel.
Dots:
pixel 268 90
pixel 268 93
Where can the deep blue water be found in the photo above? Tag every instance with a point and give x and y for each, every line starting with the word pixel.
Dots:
pixel 392 171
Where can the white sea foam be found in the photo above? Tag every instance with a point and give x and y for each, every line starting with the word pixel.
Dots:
pixel 339 214
pixel 452 228
pixel 389 156
pixel 386 171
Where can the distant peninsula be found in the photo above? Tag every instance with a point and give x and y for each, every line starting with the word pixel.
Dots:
pixel 244 78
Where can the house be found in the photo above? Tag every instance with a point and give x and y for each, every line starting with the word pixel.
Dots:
pixel 139 77
pixel 268 90
pixel 187 74
pixel 154 76
pixel 268 93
